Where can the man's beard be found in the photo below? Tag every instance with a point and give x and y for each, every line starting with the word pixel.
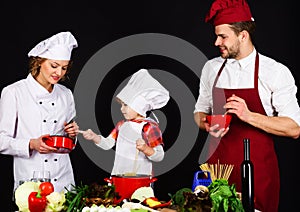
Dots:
pixel 233 52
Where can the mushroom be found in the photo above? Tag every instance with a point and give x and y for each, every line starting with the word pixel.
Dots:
pixel 201 191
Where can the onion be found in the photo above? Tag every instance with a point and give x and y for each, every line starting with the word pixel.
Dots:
pixel 22 193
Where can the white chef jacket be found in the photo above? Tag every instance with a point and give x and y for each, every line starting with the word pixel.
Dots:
pixel 28 110
pixel 276 84
pixel 127 158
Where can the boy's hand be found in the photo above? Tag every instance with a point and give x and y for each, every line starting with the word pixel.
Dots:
pixel 90 135
pixel 141 144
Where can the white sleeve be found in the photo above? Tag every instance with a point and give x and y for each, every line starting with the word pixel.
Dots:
pixel 284 98
pixel 158 155
pixel 204 100
pixel 106 143
pixel 9 145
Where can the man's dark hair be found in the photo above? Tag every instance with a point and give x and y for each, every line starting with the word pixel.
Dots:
pixel 249 26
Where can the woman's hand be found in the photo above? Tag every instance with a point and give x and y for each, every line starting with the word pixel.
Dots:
pixel 71 129
pixel 39 145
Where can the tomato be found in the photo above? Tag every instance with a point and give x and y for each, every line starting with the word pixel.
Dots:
pixel 46 188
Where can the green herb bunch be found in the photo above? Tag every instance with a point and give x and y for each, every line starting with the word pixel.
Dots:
pixel 224 197
pixel 74 197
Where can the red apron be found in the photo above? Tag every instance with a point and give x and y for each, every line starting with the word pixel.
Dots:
pixel 262 152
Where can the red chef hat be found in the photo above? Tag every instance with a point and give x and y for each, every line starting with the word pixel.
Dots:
pixel 228 11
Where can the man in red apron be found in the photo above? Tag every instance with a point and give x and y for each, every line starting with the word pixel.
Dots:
pixel 260 94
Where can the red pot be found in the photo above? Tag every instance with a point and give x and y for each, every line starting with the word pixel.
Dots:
pixel 63 144
pixel 126 185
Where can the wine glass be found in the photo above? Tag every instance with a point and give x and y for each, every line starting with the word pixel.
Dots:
pixel 41 176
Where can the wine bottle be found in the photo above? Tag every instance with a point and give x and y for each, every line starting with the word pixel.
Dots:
pixel 247 174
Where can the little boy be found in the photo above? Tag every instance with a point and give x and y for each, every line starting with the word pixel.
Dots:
pixel 138 138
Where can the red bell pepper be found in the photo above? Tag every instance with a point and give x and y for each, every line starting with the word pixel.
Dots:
pixel 36 202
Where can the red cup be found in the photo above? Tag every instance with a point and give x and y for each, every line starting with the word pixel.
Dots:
pixel 223 120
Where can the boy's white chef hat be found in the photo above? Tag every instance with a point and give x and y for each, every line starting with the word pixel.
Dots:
pixel 144 93
pixel 57 47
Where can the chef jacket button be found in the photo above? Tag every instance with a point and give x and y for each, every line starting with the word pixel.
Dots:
pixel 55 159
pixel 41 103
pixel 46 161
pixel 52 104
pixel 44 120
pixel 55 180
pixel 55 121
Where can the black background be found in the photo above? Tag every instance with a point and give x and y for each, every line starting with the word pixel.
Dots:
pixel 96 24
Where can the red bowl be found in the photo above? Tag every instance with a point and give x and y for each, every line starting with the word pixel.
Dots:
pixel 63 144
pixel 222 120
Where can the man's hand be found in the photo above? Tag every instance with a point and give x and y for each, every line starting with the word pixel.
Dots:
pixel 239 107
pixel 213 130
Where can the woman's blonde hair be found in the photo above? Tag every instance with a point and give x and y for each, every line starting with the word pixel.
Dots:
pixel 35 66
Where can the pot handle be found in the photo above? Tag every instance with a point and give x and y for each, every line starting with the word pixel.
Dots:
pixel 108 180
pixel 73 143
pixel 47 138
pixel 153 180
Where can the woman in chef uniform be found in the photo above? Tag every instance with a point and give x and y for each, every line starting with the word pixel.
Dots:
pixel 37 106
pixel 260 94
pixel 138 138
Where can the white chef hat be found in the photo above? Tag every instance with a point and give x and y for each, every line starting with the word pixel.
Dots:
pixel 57 47
pixel 144 93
